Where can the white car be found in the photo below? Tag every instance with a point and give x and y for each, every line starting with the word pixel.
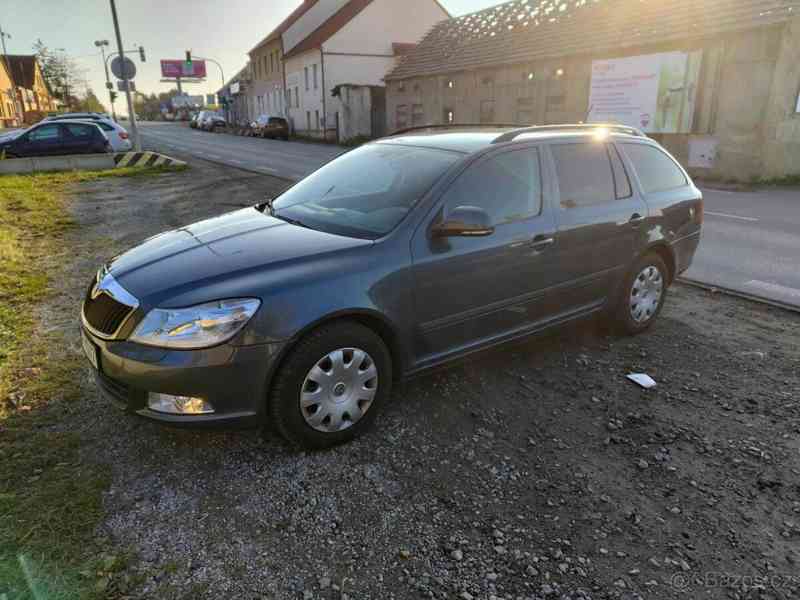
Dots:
pixel 117 135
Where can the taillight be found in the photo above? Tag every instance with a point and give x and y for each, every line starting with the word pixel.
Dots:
pixel 698 212
pixel 123 135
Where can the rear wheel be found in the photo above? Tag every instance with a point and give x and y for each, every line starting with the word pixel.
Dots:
pixel 642 296
pixel 331 385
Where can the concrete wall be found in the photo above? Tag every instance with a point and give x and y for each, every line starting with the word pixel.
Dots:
pixel 354 105
pixel 745 101
pixel 781 144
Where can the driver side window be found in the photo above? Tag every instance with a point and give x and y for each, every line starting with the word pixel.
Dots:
pixel 507 186
pixel 44 133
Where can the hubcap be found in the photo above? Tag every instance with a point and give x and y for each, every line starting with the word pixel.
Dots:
pixel 646 293
pixel 339 390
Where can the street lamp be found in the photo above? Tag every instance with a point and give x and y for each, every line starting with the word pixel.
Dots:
pixel 102 44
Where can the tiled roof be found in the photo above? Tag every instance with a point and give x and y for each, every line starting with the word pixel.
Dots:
pixel 22 69
pixel 401 48
pixel 286 23
pixel 527 30
pixel 325 31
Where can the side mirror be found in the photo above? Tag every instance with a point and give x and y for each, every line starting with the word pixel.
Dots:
pixel 464 221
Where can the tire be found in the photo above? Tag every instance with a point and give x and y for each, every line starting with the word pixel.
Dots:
pixel 652 275
pixel 308 360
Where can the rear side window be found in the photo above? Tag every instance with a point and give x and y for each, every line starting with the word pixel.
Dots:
pixel 621 181
pixel 657 171
pixel 105 126
pixel 507 186
pixel 78 130
pixel 584 174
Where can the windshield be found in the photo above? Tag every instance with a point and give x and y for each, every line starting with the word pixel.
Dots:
pixel 366 192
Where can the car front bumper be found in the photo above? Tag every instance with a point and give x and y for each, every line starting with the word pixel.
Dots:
pixel 233 379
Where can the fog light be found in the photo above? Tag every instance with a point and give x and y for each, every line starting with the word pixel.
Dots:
pixel 178 405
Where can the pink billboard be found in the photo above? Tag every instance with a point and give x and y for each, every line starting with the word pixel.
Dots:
pixel 180 68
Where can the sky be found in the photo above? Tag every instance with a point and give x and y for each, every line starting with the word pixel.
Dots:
pixel 224 31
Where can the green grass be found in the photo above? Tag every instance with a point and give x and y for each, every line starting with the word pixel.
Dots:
pixel 50 500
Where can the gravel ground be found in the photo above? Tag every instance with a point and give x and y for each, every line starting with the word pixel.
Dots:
pixel 532 471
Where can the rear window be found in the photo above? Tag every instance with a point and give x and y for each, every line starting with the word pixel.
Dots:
pixel 277 121
pixel 657 171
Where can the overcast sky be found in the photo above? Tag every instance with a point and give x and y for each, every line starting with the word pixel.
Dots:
pixel 222 30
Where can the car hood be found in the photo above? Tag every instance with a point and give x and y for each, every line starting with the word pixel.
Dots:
pixel 210 251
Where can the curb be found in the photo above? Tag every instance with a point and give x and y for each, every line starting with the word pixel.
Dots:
pixel 145 159
pixel 743 295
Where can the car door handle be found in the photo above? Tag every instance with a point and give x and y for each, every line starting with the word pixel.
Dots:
pixel 636 219
pixel 542 241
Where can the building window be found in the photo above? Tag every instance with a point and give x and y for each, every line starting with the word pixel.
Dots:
pixel 401 87
pixel 297 97
pixel 525 117
pixel 417 114
pixel 272 61
pixel 487 111
pixel 487 80
pixel 315 76
pixel 308 120
pixel 401 116
pixel 306 73
pixel 416 87
pixel 316 117
pixel 449 116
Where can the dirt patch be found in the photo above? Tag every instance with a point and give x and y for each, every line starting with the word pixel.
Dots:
pixel 533 471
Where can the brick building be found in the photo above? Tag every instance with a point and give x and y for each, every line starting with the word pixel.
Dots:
pixel 717 81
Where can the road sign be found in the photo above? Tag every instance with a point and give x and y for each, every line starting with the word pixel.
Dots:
pixel 180 68
pixel 123 67
pixel 131 85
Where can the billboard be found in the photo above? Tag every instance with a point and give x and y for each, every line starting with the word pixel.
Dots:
pixel 654 92
pixel 180 68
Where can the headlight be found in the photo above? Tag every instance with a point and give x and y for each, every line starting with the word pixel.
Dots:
pixel 197 326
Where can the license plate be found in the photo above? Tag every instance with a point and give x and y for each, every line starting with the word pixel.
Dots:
pixel 90 350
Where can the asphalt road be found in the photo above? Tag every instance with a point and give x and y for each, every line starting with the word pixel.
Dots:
pixel 751 240
pixel 751 243
pixel 290 160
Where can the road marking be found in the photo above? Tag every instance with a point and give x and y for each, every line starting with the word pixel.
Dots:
pixel 719 214
pixel 774 288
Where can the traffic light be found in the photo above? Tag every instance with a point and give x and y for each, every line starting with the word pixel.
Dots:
pixel 141 54
pixel 113 96
pixel 189 58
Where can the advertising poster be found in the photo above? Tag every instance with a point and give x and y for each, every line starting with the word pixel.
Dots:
pixel 653 92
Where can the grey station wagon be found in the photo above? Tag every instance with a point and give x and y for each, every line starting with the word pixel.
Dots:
pixel 403 254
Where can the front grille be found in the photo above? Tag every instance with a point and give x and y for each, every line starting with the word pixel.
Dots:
pixel 104 314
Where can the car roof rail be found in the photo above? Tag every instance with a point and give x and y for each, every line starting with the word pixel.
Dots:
pixel 454 126
pixel 613 127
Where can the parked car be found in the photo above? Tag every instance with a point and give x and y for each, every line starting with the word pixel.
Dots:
pixel 303 310
pixel 275 128
pixel 117 135
pixel 209 120
pixel 50 138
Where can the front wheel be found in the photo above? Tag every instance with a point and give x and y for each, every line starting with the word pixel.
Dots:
pixel 642 296
pixel 331 385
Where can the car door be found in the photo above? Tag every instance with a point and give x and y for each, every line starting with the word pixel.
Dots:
pixel 470 291
pixel 44 140
pixel 79 138
pixel 600 220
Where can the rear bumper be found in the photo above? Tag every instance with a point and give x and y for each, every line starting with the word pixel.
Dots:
pixel 234 379
pixel 684 250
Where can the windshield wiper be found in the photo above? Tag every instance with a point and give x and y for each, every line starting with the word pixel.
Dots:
pixel 291 221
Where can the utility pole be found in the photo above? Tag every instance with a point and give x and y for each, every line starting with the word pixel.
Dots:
pixel 21 115
pixel 102 44
pixel 137 142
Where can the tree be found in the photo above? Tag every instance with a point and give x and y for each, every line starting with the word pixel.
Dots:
pixel 60 72
pixel 89 103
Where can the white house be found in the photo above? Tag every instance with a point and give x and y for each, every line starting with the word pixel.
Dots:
pixel 346 43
